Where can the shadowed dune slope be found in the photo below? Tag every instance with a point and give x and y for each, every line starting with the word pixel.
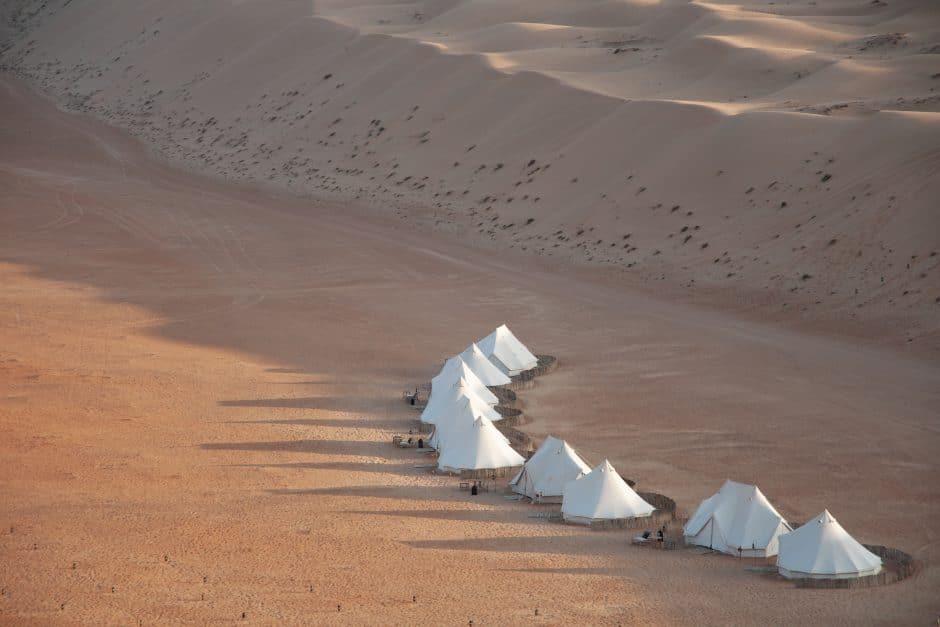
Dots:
pixel 786 155
pixel 199 382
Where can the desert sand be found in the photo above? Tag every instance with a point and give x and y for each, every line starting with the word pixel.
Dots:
pixel 200 375
pixel 775 156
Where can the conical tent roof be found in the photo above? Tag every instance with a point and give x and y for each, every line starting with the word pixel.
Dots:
pixel 822 549
pixel 461 417
pixel 548 470
pixel 461 413
pixel 602 495
pixel 456 424
pixel 455 369
pixel 507 352
pixel 482 447
pixel 488 373
pixel 738 519
pixel 456 432
pixel 445 402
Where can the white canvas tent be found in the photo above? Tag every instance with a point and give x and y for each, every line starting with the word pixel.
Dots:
pixel 822 549
pixel 544 476
pixel 738 520
pixel 487 372
pixel 602 495
pixel 445 402
pixel 508 354
pixel 454 428
pixel 457 432
pixel 481 447
pixel 453 371
pixel 461 413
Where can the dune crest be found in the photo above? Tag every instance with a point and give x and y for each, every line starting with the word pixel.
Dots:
pixel 705 148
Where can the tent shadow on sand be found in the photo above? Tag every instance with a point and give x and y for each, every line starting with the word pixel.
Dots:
pixel 577 544
pixel 302 383
pixel 325 403
pixel 602 572
pixel 393 469
pixel 463 515
pixel 361 448
pixel 398 493
pixel 351 423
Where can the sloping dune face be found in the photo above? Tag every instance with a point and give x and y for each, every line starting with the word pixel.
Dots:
pixel 198 385
pixel 785 153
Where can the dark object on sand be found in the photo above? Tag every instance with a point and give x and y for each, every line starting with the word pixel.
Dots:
pixel 643 538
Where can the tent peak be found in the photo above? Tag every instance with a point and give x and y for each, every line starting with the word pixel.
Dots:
pixel 481 421
pixel 738 515
pixel 545 474
pixel 602 495
pixel 476 360
pixel 506 351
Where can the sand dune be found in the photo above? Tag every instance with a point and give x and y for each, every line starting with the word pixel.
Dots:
pixel 804 136
pixel 200 382
pixel 722 218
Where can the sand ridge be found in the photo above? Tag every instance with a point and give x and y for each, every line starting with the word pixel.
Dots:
pixel 201 381
pixel 781 158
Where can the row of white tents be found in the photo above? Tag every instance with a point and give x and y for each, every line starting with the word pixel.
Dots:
pixel 738 519
pixel 556 474
pixel 462 408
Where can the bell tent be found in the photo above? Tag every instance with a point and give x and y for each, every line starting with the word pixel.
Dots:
pixel 822 549
pixel 602 495
pixel 738 520
pixel 462 414
pixel 544 476
pixel 482 367
pixel 455 369
pixel 508 354
pixel 481 447
pixel 456 425
pixel 445 402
